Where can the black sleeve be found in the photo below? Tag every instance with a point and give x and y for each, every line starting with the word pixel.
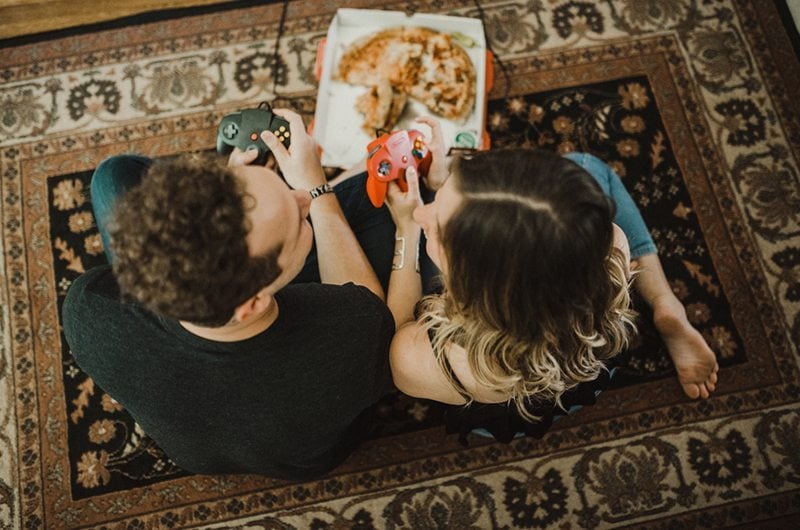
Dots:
pixel 378 315
pixel 76 312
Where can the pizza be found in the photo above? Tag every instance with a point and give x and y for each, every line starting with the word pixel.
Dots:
pixel 381 106
pixel 408 62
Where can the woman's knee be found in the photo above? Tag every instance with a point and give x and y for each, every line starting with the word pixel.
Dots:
pixel 599 170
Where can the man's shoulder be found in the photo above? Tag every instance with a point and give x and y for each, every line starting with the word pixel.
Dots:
pixel 92 314
pixel 331 293
pixel 330 302
pixel 98 280
pixel 94 291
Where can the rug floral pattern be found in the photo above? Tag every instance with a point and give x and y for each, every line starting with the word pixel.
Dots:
pixel 684 101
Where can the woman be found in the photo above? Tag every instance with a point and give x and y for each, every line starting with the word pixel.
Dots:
pixel 535 307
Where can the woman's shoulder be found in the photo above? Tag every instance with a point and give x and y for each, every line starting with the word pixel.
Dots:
pixel 410 349
pixel 417 371
pixel 459 364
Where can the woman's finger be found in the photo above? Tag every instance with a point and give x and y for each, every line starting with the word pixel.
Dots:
pixel 437 138
pixel 412 179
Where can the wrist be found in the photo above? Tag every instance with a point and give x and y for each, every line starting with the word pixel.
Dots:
pixel 408 229
pixel 319 191
pixel 406 253
pixel 305 177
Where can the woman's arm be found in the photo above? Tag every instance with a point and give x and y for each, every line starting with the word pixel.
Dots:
pixel 415 370
pixel 405 283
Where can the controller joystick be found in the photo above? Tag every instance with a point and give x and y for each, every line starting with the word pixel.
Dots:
pixel 243 129
pixel 389 156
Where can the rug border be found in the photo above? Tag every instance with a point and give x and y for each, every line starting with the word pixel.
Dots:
pixel 145 17
pixel 567 436
pixel 770 347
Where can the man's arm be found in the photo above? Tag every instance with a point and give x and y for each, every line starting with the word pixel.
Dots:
pixel 341 259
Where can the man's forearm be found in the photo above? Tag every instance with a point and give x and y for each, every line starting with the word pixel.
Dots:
pixel 341 259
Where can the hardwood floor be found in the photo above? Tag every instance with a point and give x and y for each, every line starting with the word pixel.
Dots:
pixel 26 17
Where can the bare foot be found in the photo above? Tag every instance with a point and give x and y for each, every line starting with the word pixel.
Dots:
pixel 694 361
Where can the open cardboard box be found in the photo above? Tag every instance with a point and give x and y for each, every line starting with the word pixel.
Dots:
pixel 337 123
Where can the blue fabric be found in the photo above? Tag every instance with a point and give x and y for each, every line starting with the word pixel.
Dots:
pixel 112 178
pixel 628 216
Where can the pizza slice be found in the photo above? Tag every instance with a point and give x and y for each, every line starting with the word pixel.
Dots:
pixel 381 107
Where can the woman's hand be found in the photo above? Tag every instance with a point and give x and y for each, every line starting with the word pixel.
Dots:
pixel 402 204
pixel 300 163
pixel 438 171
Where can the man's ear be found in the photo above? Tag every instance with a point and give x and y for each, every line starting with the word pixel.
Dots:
pixel 255 305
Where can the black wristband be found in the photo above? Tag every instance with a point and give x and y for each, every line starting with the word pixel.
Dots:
pixel 322 189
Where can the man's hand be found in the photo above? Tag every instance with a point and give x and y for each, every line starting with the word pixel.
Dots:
pixel 241 158
pixel 438 171
pixel 300 163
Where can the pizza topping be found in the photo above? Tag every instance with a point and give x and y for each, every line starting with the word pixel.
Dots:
pixel 381 106
pixel 403 62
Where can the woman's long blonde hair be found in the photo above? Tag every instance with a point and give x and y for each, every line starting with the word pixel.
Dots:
pixel 535 292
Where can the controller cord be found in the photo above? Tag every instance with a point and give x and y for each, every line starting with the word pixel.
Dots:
pixel 503 69
pixel 276 57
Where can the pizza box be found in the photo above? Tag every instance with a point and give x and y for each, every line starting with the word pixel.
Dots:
pixel 338 125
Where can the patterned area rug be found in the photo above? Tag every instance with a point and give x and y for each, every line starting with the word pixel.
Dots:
pixel 693 102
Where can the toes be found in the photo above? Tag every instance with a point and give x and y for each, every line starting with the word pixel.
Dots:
pixel 692 390
pixel 703 391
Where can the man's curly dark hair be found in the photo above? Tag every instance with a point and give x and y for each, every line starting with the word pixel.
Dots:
pixel 179 242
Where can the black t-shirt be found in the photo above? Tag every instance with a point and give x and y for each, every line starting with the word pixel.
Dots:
pixel 286 403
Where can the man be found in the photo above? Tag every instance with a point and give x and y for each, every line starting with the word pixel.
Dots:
pixel 208 331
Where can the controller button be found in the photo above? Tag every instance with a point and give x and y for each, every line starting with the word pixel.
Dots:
pixel 254 136
pixel 405 159
pixel 230 131
pixel 281 128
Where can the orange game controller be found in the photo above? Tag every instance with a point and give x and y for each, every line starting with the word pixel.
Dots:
pixel 388 157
